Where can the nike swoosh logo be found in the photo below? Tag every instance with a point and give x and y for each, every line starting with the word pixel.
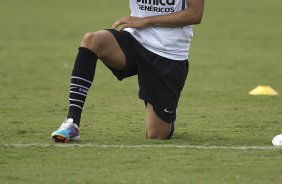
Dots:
pixel 167 111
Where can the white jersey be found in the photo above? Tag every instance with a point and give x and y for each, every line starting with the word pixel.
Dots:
pixel 172 43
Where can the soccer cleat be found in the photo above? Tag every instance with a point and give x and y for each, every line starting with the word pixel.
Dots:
pixel 68 131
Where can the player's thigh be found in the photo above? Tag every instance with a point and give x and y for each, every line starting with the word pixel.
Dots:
pixel 104 44
pixel 156 127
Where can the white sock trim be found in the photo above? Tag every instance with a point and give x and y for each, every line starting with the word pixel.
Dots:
pixel 74 77
pixel 74 105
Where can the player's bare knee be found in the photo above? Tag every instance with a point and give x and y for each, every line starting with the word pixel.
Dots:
pixel 88 40
pixel 92 41
pixel 155 134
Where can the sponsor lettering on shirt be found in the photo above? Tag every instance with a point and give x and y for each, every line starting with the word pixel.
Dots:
pixel 163 6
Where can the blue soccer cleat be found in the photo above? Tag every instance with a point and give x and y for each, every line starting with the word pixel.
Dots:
pixel 68 131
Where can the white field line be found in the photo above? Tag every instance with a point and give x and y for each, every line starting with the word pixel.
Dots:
pixel 127 146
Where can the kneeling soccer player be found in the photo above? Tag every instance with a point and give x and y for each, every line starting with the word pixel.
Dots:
pixel 152 43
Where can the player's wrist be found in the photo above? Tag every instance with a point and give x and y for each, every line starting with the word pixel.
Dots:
pixel 146 22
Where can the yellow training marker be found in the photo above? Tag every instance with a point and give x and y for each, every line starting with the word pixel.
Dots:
pixel 263 90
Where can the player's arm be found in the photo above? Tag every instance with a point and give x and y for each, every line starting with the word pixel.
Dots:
pixel 191 15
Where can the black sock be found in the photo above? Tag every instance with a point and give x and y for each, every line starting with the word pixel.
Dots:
pixel 81 80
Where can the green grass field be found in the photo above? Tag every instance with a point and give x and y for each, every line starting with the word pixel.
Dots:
pixel 223 135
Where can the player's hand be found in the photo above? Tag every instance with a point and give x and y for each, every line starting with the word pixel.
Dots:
pixel 129 21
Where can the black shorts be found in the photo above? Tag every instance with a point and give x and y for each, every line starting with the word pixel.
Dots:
pixel 160 79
